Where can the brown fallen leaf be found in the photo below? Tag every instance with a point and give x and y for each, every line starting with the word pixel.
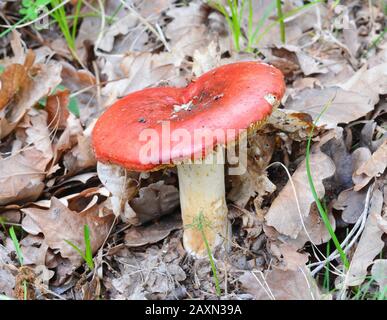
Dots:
pixel 371 82
pixel 152 233
pixel 373 168
pixel 352 204
pixel 346 106
pixel 253 180
pixel 21 176
pixel 296 125
pixel 81 83
pixel 139 70
pixel 43 78
pixel 289 257
pixel 278 284
pixel 283 214
pixel 15 79
pixel 154 201
pixel 59 224
pixel 379 274
pixel 38 133
pixel 57 109
pixel 7 272
pixel 316 231
pixel 34 250
pixel 188 30
pixel 81 156
pixel 122 184
pixel 370 243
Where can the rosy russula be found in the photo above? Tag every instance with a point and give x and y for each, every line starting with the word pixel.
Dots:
pixel 160 127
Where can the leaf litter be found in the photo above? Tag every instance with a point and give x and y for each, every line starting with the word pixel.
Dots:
pixel 50 189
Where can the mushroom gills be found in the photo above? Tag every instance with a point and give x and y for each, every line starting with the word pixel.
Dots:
pixel 202 194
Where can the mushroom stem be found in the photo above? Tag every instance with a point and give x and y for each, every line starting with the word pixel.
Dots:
pixel 202 192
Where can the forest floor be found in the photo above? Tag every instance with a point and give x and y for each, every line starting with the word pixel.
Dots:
pixel 307 223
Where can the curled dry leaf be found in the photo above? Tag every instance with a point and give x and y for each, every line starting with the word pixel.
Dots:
pixel 154 201
pixel 15 79
pixel 34 250
pixel 344 162
pixel 152 233
pixel 372 168
pixel 57 109
pixel 59 224
pixel 316 231
pixel 138 70
pixel 370 243
pixel 289 257
pixel 81 156
pixel 188 31
pixel 296 125
pixel 371 82
pixel 278 284
pixel 68 138
pixel 22 175
pixel 81 84
pixel 352 204
pixel 346 106
pixel 38 133
pixel 121 183
pixel 283 214
pixel 42 79
pixel 253 180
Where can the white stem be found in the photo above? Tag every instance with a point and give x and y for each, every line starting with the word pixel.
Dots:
pixel 202 191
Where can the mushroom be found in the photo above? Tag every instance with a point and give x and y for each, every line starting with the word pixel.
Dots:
pixel 160 127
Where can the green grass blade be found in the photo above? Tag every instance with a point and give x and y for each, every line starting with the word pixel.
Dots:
pixel 76 17
pixel 266 13
pixel 25 290
pixel 88 251
pixel 16 245
pixel 282 22
pixel 320 207
pixel 76 248
pixel 285 15
pixel 199 224
pixel 13 27
pixel 326 282
pixel 209 253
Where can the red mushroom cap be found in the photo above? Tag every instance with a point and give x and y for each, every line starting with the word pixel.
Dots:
pixel 229 98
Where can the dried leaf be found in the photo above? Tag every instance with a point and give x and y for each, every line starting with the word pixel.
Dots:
pixel 59 224
pixel 154 201
pixel 57 109
pixel 346 106
pixel 371 82
pixel 373 168
pixel 379 272
pixel 352 204
pixel 46 78
pixel 283 214
pixel 370 243
pixel 277 284
pixel 121 183
pixel 21 176
pixel 139 70
pixel 149 234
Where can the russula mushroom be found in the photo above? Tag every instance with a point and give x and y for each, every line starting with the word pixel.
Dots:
pixel 158 127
